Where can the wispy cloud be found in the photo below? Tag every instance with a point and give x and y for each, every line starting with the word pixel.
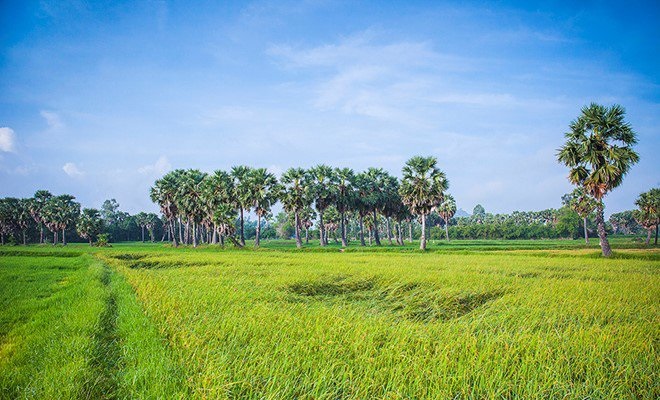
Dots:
pixel 52 119
pixel 72 170
pixel 160 167
pixel 7 140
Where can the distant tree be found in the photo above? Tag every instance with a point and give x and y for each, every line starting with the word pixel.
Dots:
pixel 223 218
pixel 583 204
pixel 648 214
pixel 479 214
pixel 90 224
pixel 23 217
pixel 422 188
pixel 141 221
pixel 295 196
pixel 598 152
pixel 8 211
pixel 217 190
pixel 446 209
pixel 624 222
pixel 345 198
pixel 241 175
pixel 164 193
pixel 322 185
pixel 36 205
pixel 59 213
pixel 264 192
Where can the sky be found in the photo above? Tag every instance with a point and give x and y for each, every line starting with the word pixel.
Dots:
pixel 99 99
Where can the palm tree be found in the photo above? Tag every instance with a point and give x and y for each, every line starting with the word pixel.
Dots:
pixel 190 192
pixel 217 190
pixel 90 224
pixel 141 221
pixel 323 191
pixel 447 209
pixel 422 188
pixel 583 204
pixel 23 217
pixel 648 214
pixel 345 197
pixel 241 175
pixel 295 196
pixel 164 193
pixel 598 151
pixel 264 192
pixel 36 205
pixel 224 219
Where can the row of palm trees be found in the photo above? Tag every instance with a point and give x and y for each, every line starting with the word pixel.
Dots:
pixel 55 213
pixel 206 205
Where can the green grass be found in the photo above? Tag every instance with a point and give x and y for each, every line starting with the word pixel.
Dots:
pixel 496 319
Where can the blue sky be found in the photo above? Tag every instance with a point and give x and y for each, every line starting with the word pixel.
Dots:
pixel 99 99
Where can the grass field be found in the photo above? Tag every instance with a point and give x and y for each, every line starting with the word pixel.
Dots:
pixel 469 319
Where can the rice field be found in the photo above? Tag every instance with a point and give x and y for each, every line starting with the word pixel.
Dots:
pixel 465 320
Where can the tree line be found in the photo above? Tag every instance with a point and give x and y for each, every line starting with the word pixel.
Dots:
pixel 198 206
pixel 210 208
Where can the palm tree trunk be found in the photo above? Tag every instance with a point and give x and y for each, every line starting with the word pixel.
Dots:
pixel 648 235
pixel 256 236
pixel 586 234
pixel 602 234
pixel 322 240
pixel 362 231
pixel 214 239
pixel 2 239
pixel 222 240
pixel 242 229
pixel 410 239
pixel 180 231
pixel 41 234
pixel 24 239
pixel 371 234
pixel 446 230
pixel 63 238
pixel 297 227
pixel 55 237
pixel 343 230
pixel 173 233
pixel 306 234
pixel 656 234
pixel 389 231
pixel 376 237
pixel 90 241
pixel 194 234
pixel 422 239
pixel 142 234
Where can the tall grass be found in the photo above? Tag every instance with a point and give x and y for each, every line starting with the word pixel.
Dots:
pixel 150 321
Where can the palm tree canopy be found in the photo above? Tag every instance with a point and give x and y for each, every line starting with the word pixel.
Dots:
pixel 598 149
pixel 423 185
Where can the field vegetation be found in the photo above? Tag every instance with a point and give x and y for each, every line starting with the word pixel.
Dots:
pixel 469 319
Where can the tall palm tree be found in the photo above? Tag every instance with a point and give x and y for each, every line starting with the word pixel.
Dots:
pixel 264 192
pixel 90 224
pixel 36 205
pixel 295 196
pixel 447 209
pixel 323 191
pixel 190 192
pixel 422 188
pixel 648 214
pixel 241 175
pixel 217 190
pixel 599 153
pixel 345 197
pixel 164 193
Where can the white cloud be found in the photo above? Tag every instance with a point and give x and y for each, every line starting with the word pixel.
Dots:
pixel 72 170
pixel 7 140
pixel 160 167
pixel 52 119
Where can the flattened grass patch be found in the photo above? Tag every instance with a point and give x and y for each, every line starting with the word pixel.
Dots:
pixel 414 301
